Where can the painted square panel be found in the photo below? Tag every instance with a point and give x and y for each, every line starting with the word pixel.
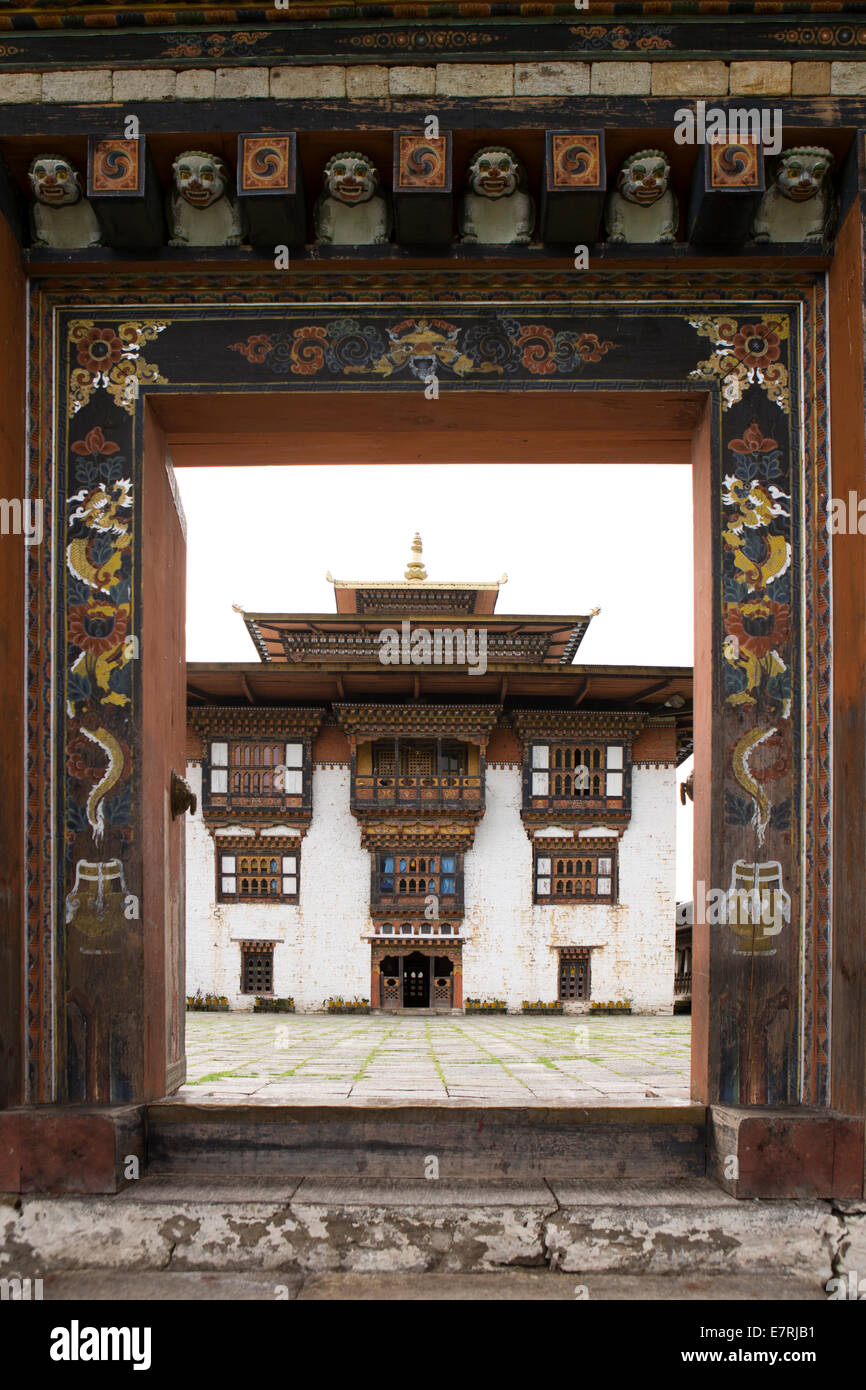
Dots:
pixel 735 166
pixel 574 159
pixel 422 162
pixel 267 164
pixel 115 168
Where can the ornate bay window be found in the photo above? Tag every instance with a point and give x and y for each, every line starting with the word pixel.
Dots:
pixel 576 765
pixel 257 763
pixel 415 758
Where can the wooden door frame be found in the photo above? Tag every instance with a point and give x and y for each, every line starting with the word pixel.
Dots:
pixel 777 1087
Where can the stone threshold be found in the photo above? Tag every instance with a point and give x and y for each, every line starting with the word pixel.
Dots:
pixel 510 1286
pixel 341 1230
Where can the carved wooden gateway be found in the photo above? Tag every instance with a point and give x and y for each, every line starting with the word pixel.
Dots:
pixel 722 359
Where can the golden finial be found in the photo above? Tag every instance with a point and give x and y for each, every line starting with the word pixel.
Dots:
pixel 415 570
pixel 238 608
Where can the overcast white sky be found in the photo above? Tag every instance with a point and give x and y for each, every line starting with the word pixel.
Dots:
pixel 570 538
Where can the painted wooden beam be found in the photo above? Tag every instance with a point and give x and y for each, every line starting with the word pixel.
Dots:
pixel 726 192
pixel 423 195
pixel 271 190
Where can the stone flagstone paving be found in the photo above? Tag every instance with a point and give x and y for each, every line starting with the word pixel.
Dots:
pixel 502 1059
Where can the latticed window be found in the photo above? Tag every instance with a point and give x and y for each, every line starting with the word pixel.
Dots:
pixel 257 877
pixel 419 760
pixel 575 877
pixel 257 969
pixel 574 770
pixel 574 982
pixel 397 877
pixel 247 767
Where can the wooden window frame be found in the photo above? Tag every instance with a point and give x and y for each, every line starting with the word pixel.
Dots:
pixel 285 856
pixel 552 766
pixel 570 870
pixel 280 764
pixel 580 957
pixel 449 902
pixel 248 952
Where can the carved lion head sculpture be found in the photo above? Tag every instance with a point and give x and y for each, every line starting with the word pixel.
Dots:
pixel 54 180
pixel 495 172
pixel 351 178
pixel 803 171
pixel 200 178
pixel 644 177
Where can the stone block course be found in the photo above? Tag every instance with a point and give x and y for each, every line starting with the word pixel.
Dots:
pixel 474 79
pixel 412 82
pixel 621 79
pixel 847 79
pixel 810 79
pixel 294 83
pixel 20 86
pixel 371 80
pixel 689 79
pixel 196 84
pixel 144 84
pixel 241 83
pixel 79 85
pixel 760 78
pixel 551 79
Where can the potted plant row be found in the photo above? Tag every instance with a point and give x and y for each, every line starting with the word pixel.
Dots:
pixel 207 1003
pixel 538 1006
pixel 485 1006
pixel 336 1004
pixel 611 1006
pixel 269 1004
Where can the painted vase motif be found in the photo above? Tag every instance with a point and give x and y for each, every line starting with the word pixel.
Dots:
pixel 95 904
pixel 758 905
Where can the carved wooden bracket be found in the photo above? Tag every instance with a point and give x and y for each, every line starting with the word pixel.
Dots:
pixel 182 797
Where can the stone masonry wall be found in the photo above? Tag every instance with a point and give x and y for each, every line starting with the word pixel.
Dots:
pixel 467 80
pixel 319 946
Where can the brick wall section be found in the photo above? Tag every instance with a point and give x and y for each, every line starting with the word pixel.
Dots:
pixel 469 81
pixel 331 746
pixel 504 747
pixel 655 745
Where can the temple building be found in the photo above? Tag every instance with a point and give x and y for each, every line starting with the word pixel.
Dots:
pixel 417 801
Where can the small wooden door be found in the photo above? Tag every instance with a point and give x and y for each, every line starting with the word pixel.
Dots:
pixel 416 981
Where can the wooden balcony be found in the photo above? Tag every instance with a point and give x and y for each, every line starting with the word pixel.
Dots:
pixel 442 792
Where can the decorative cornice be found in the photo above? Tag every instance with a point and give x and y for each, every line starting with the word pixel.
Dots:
pixel 258 844
pixel 535 820
pixel 259 721
pixel 366 721
pixel 258 820
pixel 599 844
pixel 438 833
pixel 545 723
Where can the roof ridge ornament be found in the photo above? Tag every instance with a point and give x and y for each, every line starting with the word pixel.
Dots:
pixel 415 572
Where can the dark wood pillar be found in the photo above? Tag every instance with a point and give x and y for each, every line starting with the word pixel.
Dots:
pixel 13 559
pixel 848 462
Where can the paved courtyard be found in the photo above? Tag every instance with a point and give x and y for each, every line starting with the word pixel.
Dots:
pixel 503 1059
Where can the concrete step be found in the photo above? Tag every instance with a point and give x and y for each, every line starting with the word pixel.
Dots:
pixel 605 1142
pixel 282 1228
pixel 503 1286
